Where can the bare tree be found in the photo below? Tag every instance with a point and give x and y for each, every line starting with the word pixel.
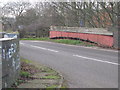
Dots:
pixel 15 8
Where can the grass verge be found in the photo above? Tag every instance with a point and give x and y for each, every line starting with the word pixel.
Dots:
pixel 50 77
pixel 32 72
pixel 42 38
pixel 64 41
pixel 24 74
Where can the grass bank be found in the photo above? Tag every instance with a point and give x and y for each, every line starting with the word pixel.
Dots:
pixel 34 75
pixel 64 41
pixel 44 39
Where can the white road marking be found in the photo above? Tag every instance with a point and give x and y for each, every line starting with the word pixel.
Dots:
pixel 44 48
pixel 98 60
pixel 21 43
pixel 97 48
pixel 40 47
pixel 93 59
pixel 35 41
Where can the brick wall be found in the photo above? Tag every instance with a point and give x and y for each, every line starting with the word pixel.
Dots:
pixel 100 36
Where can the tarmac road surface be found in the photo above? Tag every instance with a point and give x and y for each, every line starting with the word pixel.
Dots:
pixel 82 67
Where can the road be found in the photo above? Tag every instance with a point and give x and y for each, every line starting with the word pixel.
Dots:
pixel 82 67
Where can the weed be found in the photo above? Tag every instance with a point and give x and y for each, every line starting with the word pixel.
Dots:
pixel 24 74
pixel 46 69
pixel 42 38
pixel 65 41
pixel 51 77
pixel 89 45
pixel 53 86
pixel 68 41
pixel 26 61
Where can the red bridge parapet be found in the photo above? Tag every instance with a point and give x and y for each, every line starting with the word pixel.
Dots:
pixel 100 36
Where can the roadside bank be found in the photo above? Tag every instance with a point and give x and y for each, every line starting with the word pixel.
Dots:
pixel 34 75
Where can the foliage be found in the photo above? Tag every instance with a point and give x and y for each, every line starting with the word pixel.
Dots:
pixel 45 38
pixel 34 19
pixel 50 77
pixel 64 41
pixel 24 74
pixel 74 42
pixel 26 61
pixel 51 87
pixel 68 41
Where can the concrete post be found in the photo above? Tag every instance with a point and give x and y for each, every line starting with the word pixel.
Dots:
pixel 116 34
pixel 116 37
pixel 10 61
pixel 0 66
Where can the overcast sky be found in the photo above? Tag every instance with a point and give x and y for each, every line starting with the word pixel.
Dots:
pixel 5 1
pixel 33 1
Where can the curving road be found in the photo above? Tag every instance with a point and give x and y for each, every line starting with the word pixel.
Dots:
pixel 82 67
